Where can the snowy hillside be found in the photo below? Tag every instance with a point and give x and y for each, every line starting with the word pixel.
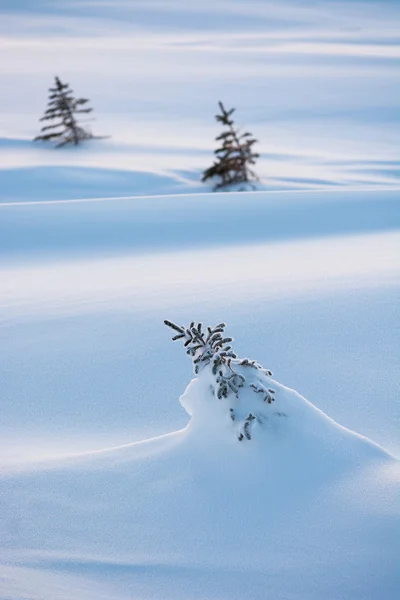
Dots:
pixel 111 488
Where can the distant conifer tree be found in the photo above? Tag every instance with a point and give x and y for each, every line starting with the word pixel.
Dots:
pixel 234 156
pixel 62 108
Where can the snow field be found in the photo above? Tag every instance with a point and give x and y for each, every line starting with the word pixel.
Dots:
pixel 110 488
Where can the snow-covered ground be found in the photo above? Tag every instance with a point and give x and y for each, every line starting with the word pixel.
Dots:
pixel 88 365
pixel 305 271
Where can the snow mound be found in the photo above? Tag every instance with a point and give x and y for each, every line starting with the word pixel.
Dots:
pixel 289 426
pixel 236 400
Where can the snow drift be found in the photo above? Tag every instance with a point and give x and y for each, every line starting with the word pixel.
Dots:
pixel 291 505
pixel 238 397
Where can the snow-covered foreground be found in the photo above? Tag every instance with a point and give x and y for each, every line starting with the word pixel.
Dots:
pixel 305 509
pixel 309 284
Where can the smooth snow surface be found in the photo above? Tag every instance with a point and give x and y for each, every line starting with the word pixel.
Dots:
pixel 99 244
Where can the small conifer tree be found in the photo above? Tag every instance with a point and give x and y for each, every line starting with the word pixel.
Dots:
pixel 62 109
pixel 211 349
pixel 235 155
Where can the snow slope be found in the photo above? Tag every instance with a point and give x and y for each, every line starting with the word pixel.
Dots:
pixel 86 286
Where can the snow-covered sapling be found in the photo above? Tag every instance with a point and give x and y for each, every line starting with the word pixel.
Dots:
pixel 62 110
pixel 242 382
pixel 234 156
